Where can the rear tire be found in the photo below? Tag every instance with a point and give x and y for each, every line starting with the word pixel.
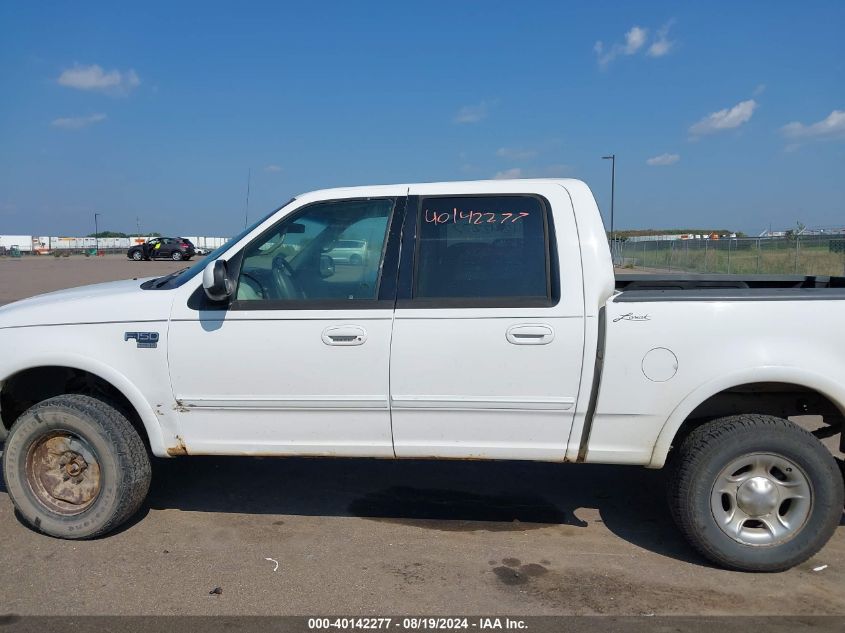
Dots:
pixel 755 493
pixel 176 256
pixel 75 467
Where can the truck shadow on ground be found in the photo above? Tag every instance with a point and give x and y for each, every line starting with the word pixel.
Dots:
pixel 437 495
pixel 449 496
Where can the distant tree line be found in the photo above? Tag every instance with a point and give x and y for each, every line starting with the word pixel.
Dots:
pixel 119 234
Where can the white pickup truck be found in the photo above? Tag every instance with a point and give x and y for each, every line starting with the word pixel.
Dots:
pixel 484 322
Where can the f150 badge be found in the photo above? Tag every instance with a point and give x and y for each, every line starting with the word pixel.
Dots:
pixel 143 339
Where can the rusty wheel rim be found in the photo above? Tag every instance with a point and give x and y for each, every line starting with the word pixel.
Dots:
pixel 63 473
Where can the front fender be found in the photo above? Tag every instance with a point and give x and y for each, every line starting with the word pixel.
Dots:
pixel 118 380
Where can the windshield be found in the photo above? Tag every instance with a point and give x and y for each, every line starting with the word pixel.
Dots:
pixel 174 280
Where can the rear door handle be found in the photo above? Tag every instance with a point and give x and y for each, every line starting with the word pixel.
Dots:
pixel 344 335
pixel 530 334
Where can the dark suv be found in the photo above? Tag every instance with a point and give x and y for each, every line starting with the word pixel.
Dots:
pixel 175 248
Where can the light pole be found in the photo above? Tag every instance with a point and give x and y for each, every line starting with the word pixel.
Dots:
pixel 96 235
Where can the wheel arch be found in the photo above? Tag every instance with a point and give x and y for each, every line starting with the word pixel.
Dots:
pixel 684 414
pixel 80 367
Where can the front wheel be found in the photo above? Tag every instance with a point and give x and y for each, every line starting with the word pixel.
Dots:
pixel 75 467
pixel 755 493
pixel 137 256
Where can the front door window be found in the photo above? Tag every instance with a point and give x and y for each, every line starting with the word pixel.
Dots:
pixel 326 251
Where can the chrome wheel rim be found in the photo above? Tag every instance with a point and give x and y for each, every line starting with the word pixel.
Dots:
pixel 761 499
pixel 63 473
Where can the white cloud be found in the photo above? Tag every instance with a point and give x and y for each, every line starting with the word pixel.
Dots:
pixel 662 44
pixel 663 159
pixel 472 113
pixel 636 41
pixel 93 77
pixel 77 122
pixel 549 171
pixel 726 119
pixel 516 153
pixel 273 168
pixel 831 127
pixel 507 174
pixel 635 38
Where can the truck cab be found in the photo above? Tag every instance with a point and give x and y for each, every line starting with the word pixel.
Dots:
pixel 469 316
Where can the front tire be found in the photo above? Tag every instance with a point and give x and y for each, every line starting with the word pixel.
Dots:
pixel 137 256
pixel 755 493
pixel 75 467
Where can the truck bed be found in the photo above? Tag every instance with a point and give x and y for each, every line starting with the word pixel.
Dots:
pixel 693 287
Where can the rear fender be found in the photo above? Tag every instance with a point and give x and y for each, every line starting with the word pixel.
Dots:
pixel 793 375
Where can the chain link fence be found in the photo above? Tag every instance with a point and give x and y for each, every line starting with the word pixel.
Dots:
pixel 799 255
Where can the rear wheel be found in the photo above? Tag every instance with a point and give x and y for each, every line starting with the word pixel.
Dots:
pixel 755 492
pixel 75 467
pixel 176 256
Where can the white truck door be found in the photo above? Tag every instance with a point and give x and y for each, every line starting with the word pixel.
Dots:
pixel 298 363
pixel 488 337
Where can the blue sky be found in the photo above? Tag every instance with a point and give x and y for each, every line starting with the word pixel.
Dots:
pixel 157 110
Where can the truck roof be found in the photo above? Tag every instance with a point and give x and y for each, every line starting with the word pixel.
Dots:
pixel 459 186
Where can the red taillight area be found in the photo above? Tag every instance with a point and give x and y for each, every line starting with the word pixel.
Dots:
pixel 185 245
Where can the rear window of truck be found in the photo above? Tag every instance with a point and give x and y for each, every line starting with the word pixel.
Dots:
pixel 482 247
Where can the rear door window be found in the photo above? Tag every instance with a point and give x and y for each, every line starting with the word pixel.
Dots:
pixel 489 248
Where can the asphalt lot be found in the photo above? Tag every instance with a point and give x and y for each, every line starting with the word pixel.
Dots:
pixel 297 536
pixel 33 275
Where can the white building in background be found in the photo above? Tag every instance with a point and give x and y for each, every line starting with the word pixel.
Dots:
pixel 23 242
pixel 678 236
pixel 209 243
pixel 47 244
pixel 825 230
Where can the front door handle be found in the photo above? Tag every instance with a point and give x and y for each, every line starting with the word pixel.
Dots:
pixel 344 335
pixel 530 334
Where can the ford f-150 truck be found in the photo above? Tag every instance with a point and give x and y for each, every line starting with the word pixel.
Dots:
pixel 487 324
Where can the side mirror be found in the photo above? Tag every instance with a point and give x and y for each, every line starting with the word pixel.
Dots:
pixel 326 266
pixel 216 282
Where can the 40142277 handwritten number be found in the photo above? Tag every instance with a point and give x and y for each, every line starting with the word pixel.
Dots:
pixel 473 217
